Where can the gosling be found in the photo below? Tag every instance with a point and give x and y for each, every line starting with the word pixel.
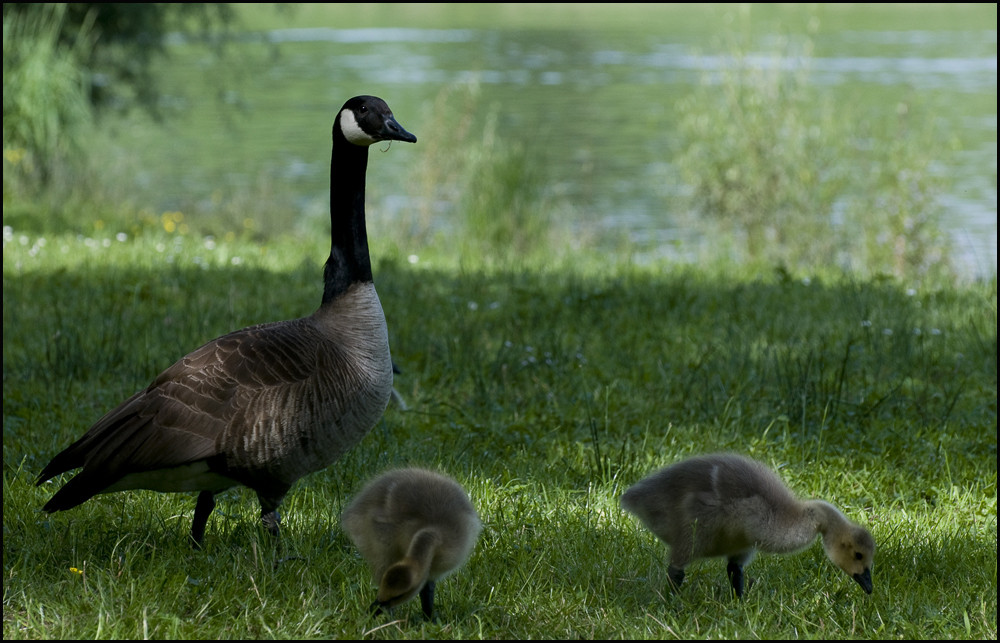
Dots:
pixel 728 505
pixel 413 527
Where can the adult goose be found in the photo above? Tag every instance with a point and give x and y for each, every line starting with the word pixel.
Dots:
pixel 726 504
pixel 414 527
pixel 268 404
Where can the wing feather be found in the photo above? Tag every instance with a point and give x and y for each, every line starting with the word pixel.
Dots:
pixel 183 415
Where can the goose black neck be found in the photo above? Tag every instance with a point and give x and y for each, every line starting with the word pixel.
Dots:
pixel 349 260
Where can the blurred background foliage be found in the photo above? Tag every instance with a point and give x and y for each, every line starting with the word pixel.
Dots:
pixel 66 64
pixel 791 175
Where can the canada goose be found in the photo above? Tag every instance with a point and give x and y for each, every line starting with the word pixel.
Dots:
pixel 729 505
pixel 414 527
pixel 268 404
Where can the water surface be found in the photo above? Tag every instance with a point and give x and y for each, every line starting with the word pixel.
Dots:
pixel 597 107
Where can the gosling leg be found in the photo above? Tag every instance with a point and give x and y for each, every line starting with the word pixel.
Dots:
pixel 676 576
pixel 735 572
pixel 427 600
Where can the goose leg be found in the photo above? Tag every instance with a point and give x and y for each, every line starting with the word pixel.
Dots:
pixel 427 599
pixel 269 509
pixel 206 503
pixel 735 572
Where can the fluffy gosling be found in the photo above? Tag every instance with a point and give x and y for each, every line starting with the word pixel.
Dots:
pixel 413 527
pixel 729 505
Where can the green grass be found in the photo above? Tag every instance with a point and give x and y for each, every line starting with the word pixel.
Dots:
pixel 546 388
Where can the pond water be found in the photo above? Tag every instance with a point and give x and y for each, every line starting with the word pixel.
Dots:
pixel 597 107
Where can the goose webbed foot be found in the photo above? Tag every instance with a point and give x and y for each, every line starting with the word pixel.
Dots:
pixel 269 500
pixel 272 521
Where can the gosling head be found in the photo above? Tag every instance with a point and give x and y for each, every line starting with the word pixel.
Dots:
pixel 399 583
pixel 852 550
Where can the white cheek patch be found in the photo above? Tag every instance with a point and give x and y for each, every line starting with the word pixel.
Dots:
pixel 352 131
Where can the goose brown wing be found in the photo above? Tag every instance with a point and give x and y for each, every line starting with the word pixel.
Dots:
pixel 180 418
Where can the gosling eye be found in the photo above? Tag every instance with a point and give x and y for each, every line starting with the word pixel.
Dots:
pixel 858 555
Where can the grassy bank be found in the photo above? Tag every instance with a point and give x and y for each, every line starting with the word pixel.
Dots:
pixel 546 388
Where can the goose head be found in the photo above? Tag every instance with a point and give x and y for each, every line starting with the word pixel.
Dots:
pixel 852 550
pixel 364 120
